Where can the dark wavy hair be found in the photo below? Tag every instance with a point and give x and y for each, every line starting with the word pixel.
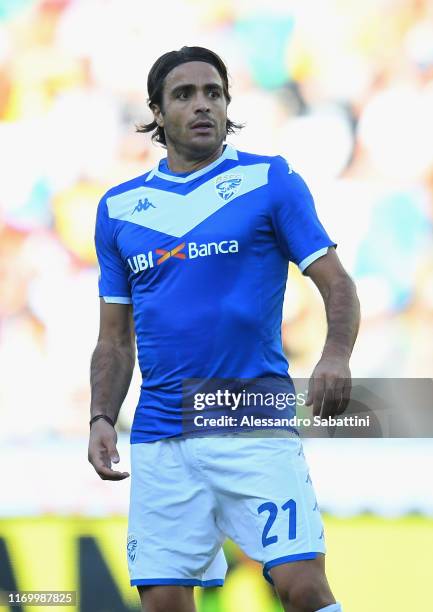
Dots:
pixel 160 69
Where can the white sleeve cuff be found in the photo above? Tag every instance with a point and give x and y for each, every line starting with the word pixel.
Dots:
pixel 309 260
pixel 110 299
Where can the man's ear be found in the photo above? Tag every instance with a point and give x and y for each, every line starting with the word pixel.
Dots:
pixel 157 115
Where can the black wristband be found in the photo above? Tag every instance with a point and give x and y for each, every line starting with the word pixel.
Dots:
pixel 101 416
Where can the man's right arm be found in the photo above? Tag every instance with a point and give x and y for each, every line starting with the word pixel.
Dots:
pixel 110 376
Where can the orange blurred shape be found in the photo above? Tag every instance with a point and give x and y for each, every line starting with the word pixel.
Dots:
pixel 14 274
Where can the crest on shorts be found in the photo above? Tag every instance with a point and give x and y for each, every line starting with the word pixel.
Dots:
pixel 227 185
pixel 131 547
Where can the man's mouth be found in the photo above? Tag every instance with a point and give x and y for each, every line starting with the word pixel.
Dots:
pixel 202 126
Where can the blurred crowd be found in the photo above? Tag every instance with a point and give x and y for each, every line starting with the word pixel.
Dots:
pixel 343 89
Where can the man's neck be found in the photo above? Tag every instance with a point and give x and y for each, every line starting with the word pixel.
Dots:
pixel 180 164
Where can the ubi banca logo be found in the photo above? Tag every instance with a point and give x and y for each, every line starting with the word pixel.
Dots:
pixel 184 250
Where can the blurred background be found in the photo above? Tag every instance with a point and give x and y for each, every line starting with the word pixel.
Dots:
pixel 344 90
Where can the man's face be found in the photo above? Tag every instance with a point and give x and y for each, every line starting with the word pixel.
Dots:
pixel 194 109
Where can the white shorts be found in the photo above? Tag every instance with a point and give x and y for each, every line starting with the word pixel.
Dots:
pixel 189 495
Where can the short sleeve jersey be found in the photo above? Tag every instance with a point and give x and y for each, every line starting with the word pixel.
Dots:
pixel 203 259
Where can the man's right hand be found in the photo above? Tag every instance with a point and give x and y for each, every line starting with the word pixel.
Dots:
pixel 103 451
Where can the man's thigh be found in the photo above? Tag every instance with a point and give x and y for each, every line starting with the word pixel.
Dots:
pixel 173 538
pixel 302 585
pixel 163 598
pixel 266 499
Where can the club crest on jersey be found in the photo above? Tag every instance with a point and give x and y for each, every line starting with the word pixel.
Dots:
pixel 132 547
pixel 227 185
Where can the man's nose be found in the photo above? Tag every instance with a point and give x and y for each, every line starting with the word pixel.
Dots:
pixel 201 103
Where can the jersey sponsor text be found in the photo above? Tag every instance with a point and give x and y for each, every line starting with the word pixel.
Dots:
pixel 144 261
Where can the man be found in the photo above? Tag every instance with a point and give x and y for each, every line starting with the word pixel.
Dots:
pixel 194 255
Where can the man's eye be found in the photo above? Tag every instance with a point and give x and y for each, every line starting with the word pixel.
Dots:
pixel 182 95
pixel 215 93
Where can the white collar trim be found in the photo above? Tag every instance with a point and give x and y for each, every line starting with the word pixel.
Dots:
pixel 228 153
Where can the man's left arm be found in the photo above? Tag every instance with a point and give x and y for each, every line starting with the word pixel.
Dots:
pixel 330 383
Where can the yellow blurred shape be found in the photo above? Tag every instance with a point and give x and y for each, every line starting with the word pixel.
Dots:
pixel 43 555
pixel 373 563
pixel 379 564
pixel 246 589
pixel 75 213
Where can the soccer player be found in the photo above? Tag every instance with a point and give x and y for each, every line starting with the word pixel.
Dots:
pixel 193 258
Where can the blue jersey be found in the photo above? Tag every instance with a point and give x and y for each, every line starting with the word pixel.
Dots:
pixel 203 258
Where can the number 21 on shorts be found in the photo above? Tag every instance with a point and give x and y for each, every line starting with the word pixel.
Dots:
pixel 272 508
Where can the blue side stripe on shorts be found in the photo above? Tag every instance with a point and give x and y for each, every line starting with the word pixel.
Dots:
pixel 286 559
pixel 176 582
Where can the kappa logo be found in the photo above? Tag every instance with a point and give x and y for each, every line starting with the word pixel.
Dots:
pixel 132 546
pixel 143 205
pixel 227 185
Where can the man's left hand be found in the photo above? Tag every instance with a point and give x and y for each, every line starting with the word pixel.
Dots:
pixel 329 387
